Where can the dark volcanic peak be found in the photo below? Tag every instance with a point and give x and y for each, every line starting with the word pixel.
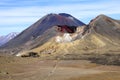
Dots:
pixel 64 19
pixel 64 14
pixel 41 26
pixel 71 17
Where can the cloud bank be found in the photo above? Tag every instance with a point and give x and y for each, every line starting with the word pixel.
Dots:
pixel 21 14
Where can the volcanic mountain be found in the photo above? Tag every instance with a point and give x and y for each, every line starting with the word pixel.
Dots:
pixel 40 28
pixel 52 35
pixel 101 35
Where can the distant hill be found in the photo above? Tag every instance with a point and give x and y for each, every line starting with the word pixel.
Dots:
pixel 6 38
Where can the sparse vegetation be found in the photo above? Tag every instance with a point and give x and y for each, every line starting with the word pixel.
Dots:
pixel 105 59
pixel 31 54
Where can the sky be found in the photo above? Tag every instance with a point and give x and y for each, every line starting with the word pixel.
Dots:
pixel 17 15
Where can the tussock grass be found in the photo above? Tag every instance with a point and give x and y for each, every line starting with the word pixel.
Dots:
pixel 105 59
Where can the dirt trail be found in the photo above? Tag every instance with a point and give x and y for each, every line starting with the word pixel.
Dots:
pixel 53 70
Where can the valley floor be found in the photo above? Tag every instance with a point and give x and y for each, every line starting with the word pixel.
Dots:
pixel 17 68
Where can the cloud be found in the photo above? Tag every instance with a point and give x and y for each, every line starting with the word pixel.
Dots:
pixel 21 14
pixel 7 30
pixel 38 10
pixel 28 11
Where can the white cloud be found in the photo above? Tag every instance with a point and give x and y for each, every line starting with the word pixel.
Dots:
pixel 7 30
pixel 29 14
pixel 82 9
pixel 17 20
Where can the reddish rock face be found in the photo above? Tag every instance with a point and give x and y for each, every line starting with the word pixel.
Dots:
pixel 66 28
